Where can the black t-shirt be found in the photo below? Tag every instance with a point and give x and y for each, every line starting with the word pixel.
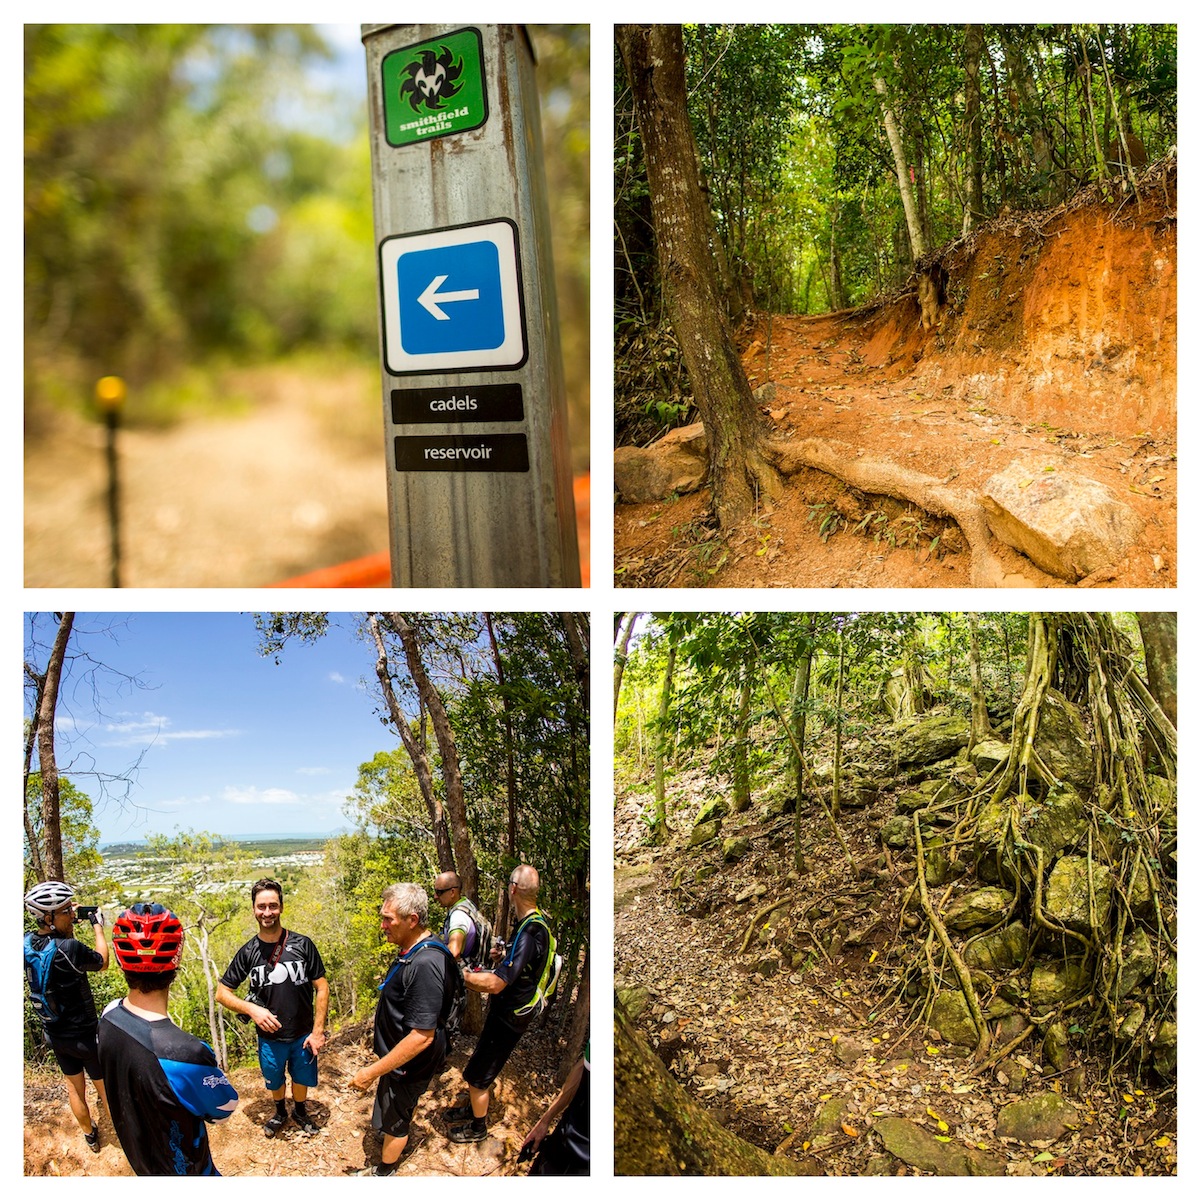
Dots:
pixel 522 969
pixel 67 986
pixel 415 994
pixel 162 1085
pixel 288 991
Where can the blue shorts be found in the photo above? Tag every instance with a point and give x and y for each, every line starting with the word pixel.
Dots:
pixel 275 1057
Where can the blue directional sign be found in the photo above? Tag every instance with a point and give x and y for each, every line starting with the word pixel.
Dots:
pixel 452 300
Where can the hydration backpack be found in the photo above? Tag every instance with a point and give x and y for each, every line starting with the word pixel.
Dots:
pixel 477 946
pixel 450 1017
pixel 550 972
pixel 37 972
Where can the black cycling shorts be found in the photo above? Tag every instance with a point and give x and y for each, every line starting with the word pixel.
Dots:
pixel 497 1041
pixel 75 1054
pixel 396 1099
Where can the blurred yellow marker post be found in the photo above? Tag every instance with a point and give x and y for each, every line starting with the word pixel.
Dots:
pixel 110 395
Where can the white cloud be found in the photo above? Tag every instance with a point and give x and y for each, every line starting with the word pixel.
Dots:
pixel 254 795
pixel 144 729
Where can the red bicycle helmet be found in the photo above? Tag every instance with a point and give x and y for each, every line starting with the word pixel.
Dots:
pixel 149 938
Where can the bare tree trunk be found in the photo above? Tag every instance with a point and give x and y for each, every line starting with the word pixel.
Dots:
pixel 580 656
pixel 799 721
pixel 456 806
pixel 972 51
pixel 1159 641
pixel 981 729
pixel 51 822
pixel 916 238
pixel 653 56
pixel 415 749
pixel 741 748
pixel 836 805
pixel 660 752
pixel 581 1018
pixel 511 763
pixel 622 656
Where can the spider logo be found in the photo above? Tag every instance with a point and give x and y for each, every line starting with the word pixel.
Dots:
pixel 431 79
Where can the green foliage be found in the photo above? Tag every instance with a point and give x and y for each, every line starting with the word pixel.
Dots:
pixel 80 838
pixel 169 213
pixel 802 183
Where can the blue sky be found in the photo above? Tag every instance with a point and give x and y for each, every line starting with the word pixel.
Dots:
pixel 230 742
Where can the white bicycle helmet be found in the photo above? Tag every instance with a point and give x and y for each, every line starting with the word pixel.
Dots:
pixel 45 899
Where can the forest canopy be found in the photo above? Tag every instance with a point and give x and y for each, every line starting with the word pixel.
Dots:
pixel 833 157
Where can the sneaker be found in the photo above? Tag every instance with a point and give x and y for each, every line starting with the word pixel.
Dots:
pixel 93 1139
pixel 460 1112
pixel 467 1133
pixel 379 1169
pixel 275 1124
pixel 307 1127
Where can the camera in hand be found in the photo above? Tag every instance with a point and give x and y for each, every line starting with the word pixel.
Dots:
pixel 86 912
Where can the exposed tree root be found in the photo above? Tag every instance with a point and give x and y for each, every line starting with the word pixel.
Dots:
pixel 869 474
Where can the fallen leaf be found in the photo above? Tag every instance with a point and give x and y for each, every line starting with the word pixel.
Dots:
pixel 849 1130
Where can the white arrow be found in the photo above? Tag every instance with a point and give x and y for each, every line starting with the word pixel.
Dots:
pixel 431 298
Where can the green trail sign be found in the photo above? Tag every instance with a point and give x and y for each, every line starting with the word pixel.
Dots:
pixel 434 88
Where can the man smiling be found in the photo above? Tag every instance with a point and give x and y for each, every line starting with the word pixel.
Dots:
pixel 286 973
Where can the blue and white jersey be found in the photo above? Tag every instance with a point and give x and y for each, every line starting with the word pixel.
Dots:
pixel 163 1085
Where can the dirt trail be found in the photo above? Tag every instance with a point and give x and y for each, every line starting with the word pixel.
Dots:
pixel 772 1052
pixel 1055 346
pixel 345 1143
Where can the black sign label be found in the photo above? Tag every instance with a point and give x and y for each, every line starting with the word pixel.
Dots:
pixel 441 405
pixel 463 452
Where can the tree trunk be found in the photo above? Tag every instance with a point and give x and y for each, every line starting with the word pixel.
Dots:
pixel 916 238
pixel 972 51
pixel 456 805
pixel 653 56
pixel 581 1018
pixel 741 746
pixel 580 658
pixel 52 858
pixel 836 804
pixel 981 728
pixel 415 749
pixel 1031 104
pixel 660 752
pixel 799 719
pixel 1159 641
pixel 509 750
pixel 622 656
pixel 658 1129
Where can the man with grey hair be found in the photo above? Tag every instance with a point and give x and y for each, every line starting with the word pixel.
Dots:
pixel 410 1037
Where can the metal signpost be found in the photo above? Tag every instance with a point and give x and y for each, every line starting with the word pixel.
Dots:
pixel 479 478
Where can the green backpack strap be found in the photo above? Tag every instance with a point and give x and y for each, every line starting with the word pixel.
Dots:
pixel 549 976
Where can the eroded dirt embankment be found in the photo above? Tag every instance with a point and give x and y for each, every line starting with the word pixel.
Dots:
pixel 1055 345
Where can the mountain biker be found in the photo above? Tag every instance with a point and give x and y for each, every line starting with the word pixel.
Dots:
pixel 164 1084
pixel 56 965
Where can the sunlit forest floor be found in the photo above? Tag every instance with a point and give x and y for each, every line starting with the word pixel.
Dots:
pixel 1056 347
pixel 345 1143
pixel 291 480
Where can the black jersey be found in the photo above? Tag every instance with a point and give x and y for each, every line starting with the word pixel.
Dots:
pixel 67 988
pixel 286 989
pixel 415 995
pixel 163 1084
pixel 522 969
